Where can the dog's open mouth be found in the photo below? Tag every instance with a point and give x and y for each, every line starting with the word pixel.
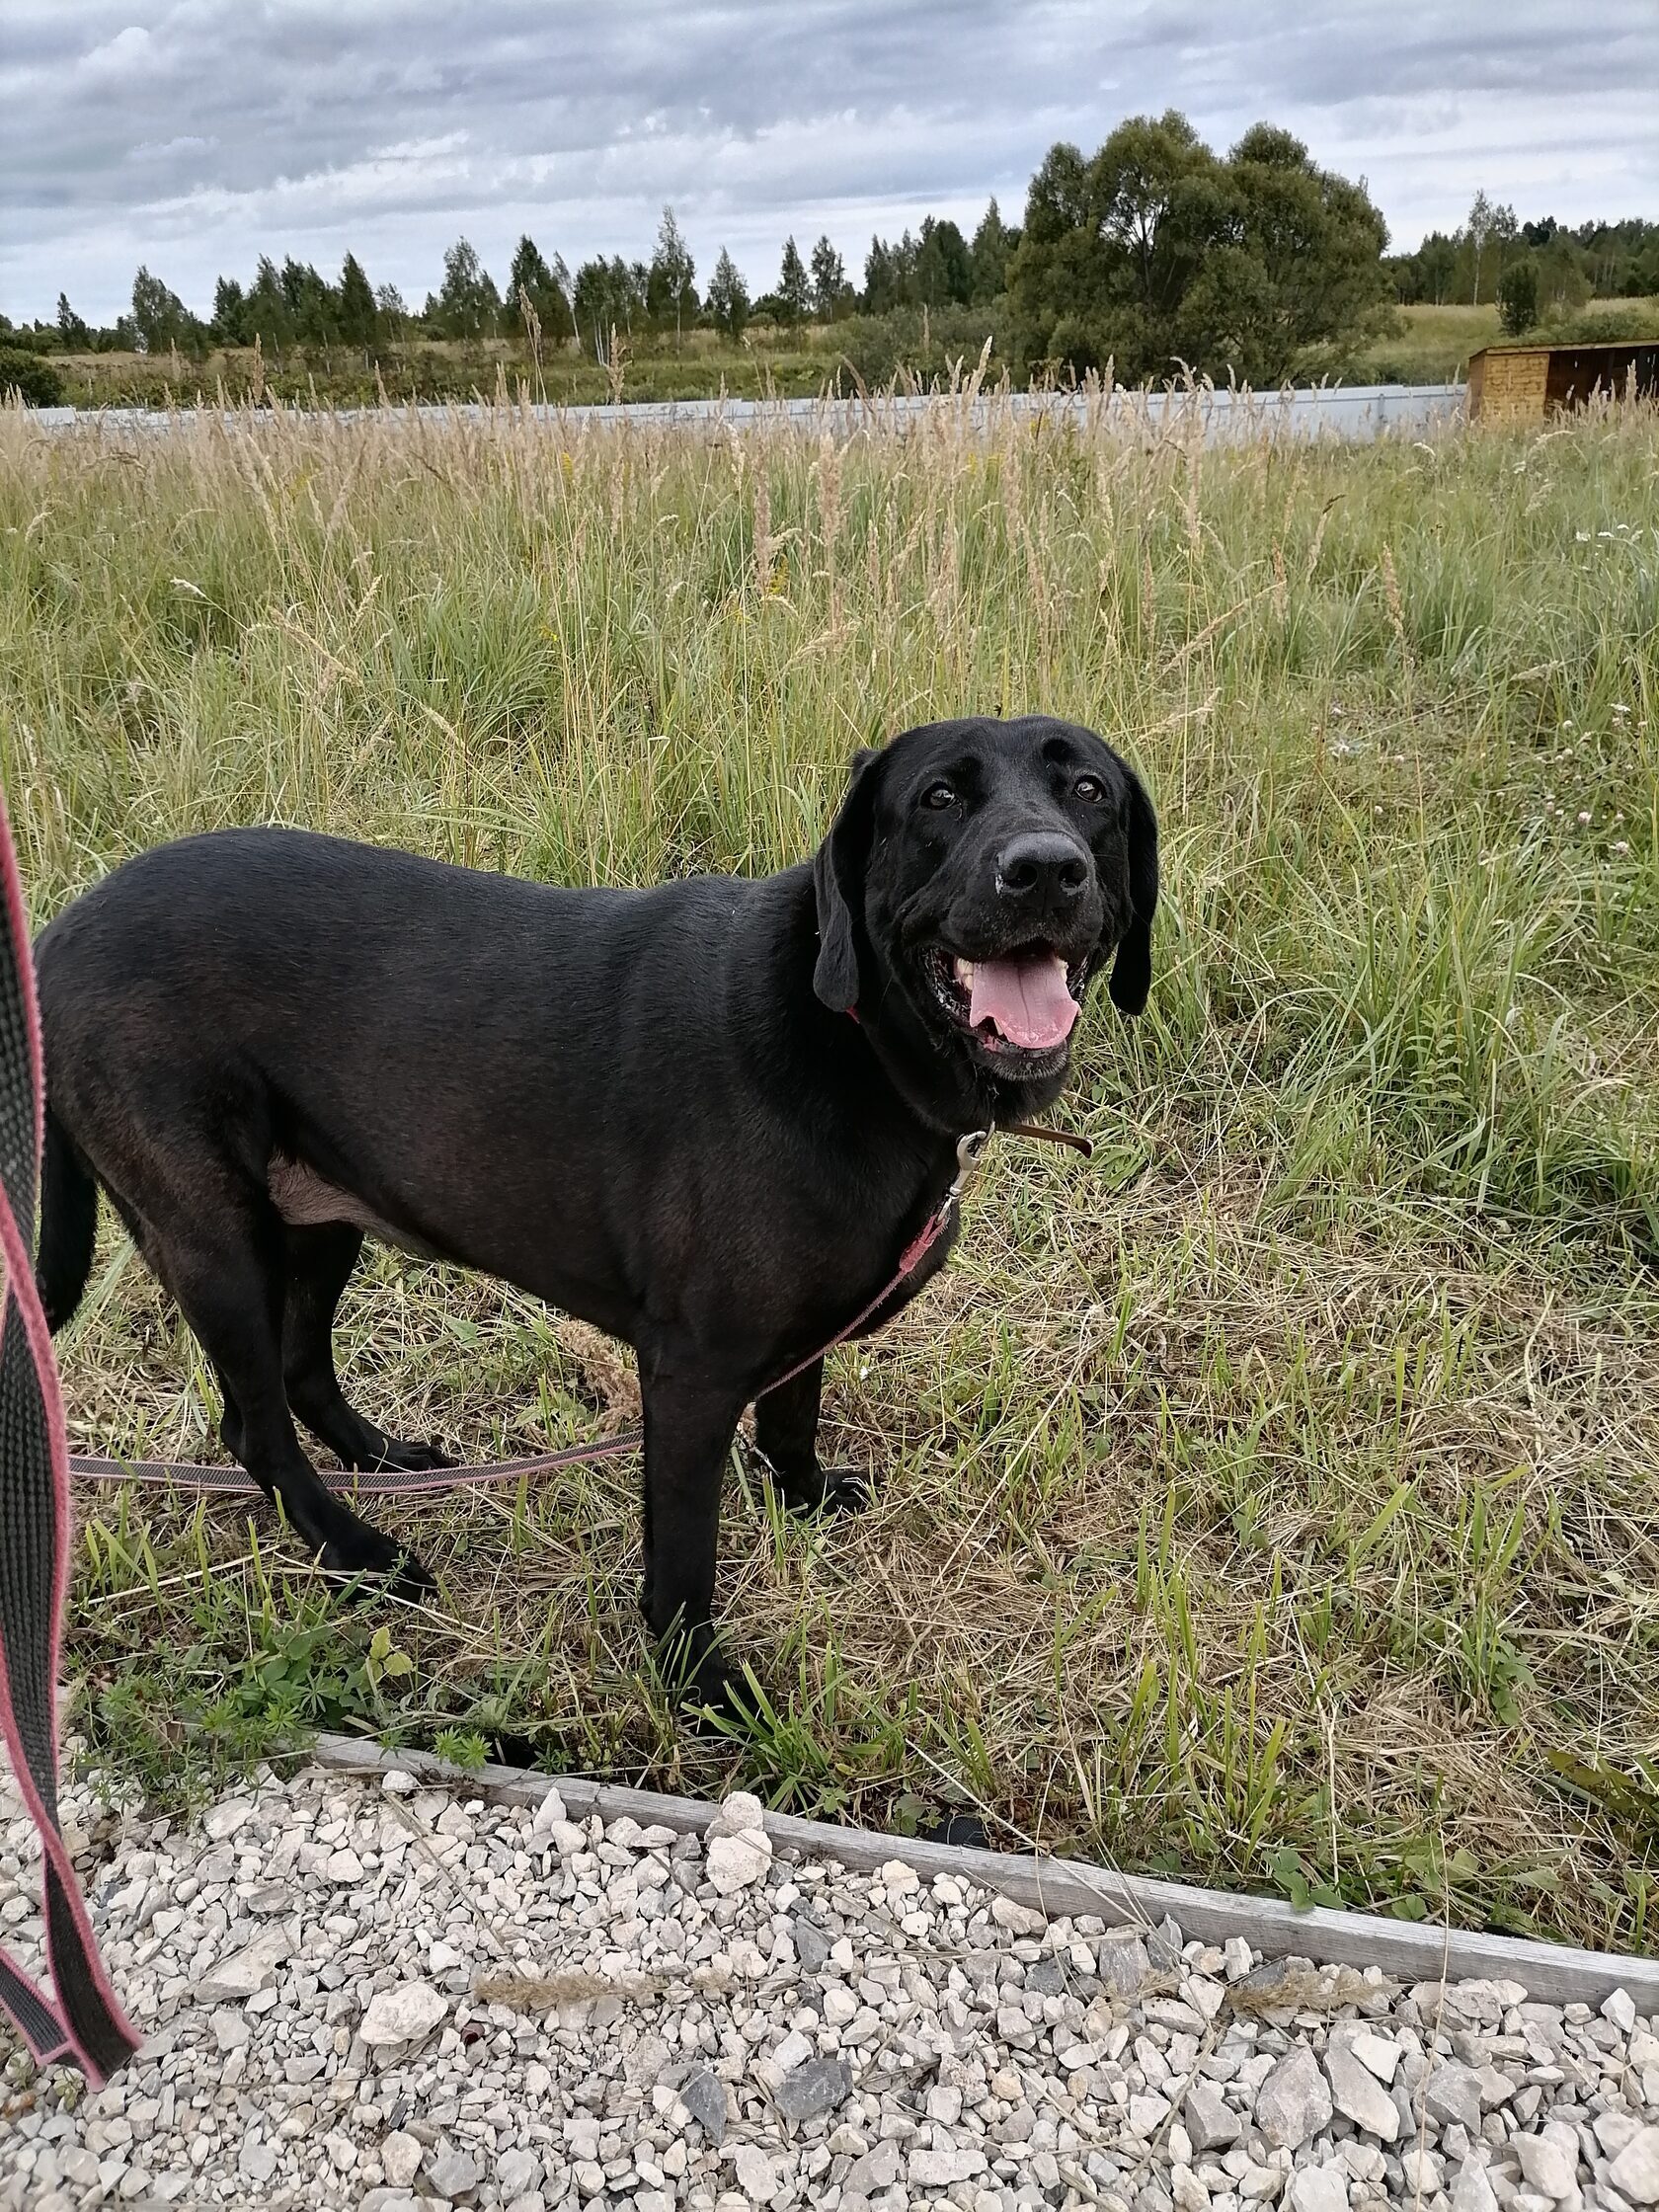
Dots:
pixel 1022 1003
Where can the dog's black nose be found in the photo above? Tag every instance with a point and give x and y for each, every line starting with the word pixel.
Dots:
pixel 1043 868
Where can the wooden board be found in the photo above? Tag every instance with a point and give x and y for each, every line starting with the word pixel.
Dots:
pixel 1410 1951
pixel 1508 384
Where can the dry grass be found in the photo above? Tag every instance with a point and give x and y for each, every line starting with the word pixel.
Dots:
pixel 1273 1501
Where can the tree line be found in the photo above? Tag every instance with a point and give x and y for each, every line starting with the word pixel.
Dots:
pixel 1567 266
pixel 1153 256
pixel 294 305
pixel 1531 271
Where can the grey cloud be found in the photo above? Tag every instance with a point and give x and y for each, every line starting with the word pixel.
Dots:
pixel 198 134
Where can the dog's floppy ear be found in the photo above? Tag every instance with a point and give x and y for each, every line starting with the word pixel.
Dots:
pixel 1131 971
pixel 839 880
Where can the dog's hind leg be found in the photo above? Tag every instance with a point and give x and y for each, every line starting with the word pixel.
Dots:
pixel 145 1244
pixel 320 1259
pixel 225 1264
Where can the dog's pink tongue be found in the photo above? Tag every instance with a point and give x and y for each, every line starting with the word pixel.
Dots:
pixel 1026 1000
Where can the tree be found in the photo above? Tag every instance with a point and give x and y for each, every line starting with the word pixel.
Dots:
pixel 159 316
pixel 265 315
pixel 591 301
pixel 1155 254
pixel 830 286
pixel 669 289
pixel 311 302
pixel 944 268
pixel 389 305
pixel 606 298
pixel 1437 258
pixel 992 243
pixel 889 270
pixel 468 303
pixel 1505 231
pixel 70 327
pixel 1112 245
pixel 230 311
pixel 794 291
pixel 1517 295
pixel 1298 263
pixel 546 287
pixel 728 297
pixel 1477 230
pixel 357 311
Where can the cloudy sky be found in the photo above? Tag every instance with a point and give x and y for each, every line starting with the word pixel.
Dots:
pixel 195 137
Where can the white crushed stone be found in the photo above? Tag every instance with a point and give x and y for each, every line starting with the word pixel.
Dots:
pixel 375 1997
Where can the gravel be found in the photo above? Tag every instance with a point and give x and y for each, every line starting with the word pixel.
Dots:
pixel 373 1996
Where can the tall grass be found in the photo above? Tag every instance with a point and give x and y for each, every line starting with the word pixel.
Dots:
pixel 1274 1500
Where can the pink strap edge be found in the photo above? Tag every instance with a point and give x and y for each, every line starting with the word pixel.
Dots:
pixel 20 1289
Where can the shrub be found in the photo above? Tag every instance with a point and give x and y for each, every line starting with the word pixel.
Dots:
pixel 35 380
pixel 1517 295
pixel 1594 325
pixel 879 346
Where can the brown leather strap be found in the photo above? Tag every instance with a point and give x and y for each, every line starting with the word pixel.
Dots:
pixel 1050 1136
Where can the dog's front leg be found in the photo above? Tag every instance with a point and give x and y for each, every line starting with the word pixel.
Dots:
pixel 786 1437
pixel 688 1432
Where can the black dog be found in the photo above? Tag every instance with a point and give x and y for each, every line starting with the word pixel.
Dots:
pixel 706 1116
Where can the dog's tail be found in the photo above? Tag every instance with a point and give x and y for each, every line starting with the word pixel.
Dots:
pixel 68 1223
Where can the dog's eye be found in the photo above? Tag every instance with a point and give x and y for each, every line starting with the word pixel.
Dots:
pixel 940 795
pixel 1090 788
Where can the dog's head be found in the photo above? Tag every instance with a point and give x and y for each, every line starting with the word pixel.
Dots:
pixel 978 877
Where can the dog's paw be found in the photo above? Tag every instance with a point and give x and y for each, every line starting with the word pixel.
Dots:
pixel 826 1490
pixel 400 1455
pixel 701 1681
pixel 846 1490
pixel 412 1581
pixel 718 1699
pixel 363 1559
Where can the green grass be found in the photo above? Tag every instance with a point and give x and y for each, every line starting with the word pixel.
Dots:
pixel 1428 346
pixel 442 370
pixel 1432 345
pixel 1274 1500
pixel 767 361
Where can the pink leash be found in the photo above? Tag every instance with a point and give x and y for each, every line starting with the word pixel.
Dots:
pixel 79 2019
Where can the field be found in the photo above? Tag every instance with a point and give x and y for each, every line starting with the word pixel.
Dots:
pixel 767 361
pixel 1433 344
pixel 1429 346
pixel 1425 346
pixel 439 370
pixel 1274 1500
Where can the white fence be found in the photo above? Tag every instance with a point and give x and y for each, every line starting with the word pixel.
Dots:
pixel 1343 411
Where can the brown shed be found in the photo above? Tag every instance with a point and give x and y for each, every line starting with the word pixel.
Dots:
pixel 1524 383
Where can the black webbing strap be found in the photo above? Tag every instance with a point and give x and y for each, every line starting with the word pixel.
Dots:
pixel 82 2022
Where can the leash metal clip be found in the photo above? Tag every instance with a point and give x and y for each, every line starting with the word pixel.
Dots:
pixel 969 1159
